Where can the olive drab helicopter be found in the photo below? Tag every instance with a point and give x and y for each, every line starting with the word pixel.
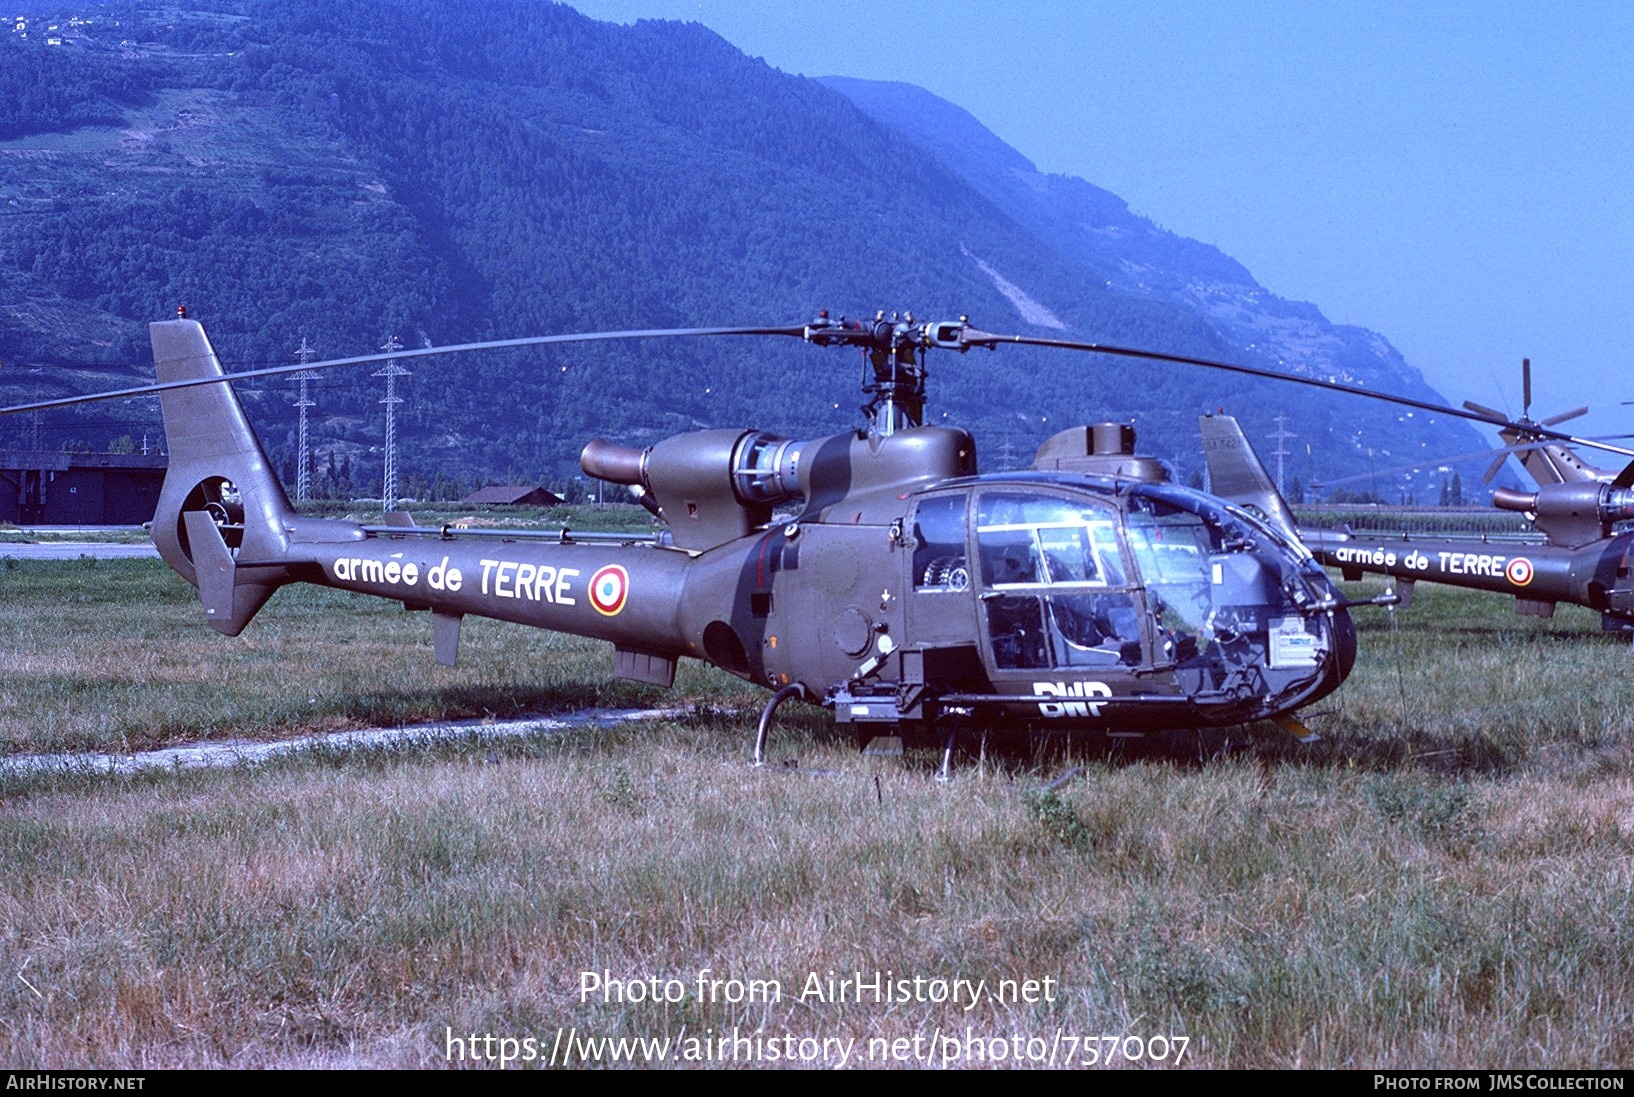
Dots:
pixel 1579 510
pixel 873 572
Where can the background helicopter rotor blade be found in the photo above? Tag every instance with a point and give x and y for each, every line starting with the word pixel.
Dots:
pixel 1526 418
pixel 1565 415
pixel 1499 457
pixel 1526 402
pixel 1455 459
pixel 422 352
pixel 1484 410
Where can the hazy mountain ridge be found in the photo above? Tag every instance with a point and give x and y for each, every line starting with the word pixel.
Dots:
pixel 344 170
pixel 1095 228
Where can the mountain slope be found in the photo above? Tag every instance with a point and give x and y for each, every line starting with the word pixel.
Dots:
pixel 343 171
pixel 1095 231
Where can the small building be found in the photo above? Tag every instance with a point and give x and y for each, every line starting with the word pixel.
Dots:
pixel 514 495
pixel 48 488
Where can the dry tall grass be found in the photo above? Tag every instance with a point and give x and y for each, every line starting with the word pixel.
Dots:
pixel 1445 884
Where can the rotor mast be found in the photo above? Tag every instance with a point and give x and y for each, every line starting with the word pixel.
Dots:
pixel 894 379
pixel 894 371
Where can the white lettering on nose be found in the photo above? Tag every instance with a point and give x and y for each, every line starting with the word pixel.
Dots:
pixel 1074 690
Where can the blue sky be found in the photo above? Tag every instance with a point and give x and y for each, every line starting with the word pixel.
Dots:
pixel 1456 176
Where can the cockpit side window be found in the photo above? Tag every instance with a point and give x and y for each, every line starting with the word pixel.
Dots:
pixel 1058 564
pixel 1029 539
pixel 940 562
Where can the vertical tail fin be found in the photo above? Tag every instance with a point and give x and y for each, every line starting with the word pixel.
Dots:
pixel 222 519
pixel 1235 473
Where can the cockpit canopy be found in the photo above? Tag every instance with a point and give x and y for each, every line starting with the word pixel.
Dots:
pixel 1076 573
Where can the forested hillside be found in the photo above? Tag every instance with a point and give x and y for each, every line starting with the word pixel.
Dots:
pixel 346 170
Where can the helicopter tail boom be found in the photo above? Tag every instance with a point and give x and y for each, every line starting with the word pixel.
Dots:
pixel 223 519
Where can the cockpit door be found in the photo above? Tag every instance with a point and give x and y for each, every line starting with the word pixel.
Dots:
pixel 941 591
pixel 1055 585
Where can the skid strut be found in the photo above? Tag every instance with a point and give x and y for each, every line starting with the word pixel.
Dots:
pixel 766 719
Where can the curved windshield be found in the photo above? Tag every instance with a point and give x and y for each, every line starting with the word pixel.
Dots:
pixel 1152 575
pixel 1220 583
pixel 1173 550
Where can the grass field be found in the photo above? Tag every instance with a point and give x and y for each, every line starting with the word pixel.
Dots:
pixel 1445 880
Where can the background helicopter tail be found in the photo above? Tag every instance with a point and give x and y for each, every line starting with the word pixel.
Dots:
pixel 223 519
pixel 1235 473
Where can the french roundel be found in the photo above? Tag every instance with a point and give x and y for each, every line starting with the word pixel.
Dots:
pixel 609 588
pixel 1519 571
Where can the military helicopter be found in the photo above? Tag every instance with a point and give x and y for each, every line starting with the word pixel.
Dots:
pixel 1584 558
pixel 872 572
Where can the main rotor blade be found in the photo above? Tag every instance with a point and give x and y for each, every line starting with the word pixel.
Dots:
pixel 961 336
pixel 1499 457
pixel 1549 422
pixel 974 338
pixel 423 352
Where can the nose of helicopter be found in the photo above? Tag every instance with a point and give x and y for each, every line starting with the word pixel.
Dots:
pixel 1344 643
